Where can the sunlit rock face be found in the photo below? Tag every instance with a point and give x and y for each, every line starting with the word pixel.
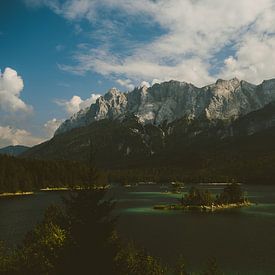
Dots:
pixel 167 102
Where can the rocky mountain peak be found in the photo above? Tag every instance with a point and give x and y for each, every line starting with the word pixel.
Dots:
pixel 226 86
pixel 233 81
pixel 113 92
pixel 169 101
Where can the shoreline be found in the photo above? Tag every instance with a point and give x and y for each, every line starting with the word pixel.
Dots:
pixel 206 208
pixel 47 189
pixel 54 189
pixel 11 194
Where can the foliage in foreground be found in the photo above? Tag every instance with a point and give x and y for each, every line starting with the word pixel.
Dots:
pixel 80 238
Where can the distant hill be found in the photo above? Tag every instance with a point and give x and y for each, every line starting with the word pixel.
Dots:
pixel 13 150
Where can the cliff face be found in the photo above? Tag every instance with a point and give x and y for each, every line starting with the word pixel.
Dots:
pixel 173 100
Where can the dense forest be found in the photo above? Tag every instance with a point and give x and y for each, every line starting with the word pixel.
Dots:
pixel 19 174
pixel 27 175
pixel 261 172
pixel 203 158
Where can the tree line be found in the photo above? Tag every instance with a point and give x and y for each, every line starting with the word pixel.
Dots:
pixel 17 174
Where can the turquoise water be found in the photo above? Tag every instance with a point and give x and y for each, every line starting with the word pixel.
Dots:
pixel 242 240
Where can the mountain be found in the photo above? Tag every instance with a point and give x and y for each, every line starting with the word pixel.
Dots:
pixel 219 132
pixel 169 101
pixel 13 150
pixel 130 141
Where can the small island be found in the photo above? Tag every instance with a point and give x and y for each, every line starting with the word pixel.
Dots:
pixel 232 196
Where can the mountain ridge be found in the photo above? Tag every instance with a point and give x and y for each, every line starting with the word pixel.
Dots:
pixel 169 101
pixel 193 152
pixel 129 138
pixel 237 144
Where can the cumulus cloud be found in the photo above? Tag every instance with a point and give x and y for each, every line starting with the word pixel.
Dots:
pixel 254 59
pixel 13 111
pixel 51 126
pixel 76 104
pixel 127 83
pixel 11 85
pixel 14 136
pixel 71 106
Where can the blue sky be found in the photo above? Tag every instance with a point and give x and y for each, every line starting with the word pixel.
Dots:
pixel 60 52
pixel 33 42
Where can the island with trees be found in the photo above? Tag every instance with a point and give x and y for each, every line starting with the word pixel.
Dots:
pixel 232 196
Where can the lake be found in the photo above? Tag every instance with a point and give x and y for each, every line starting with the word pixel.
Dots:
pixel 242 240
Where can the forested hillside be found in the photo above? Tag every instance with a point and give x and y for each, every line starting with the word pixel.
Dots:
pixel 26 174
pixel 203 158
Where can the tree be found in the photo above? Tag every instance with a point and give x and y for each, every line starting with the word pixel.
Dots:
pixel 133 261
pixel 5 259
pixel 232 193
pixel 92 243
pixel 180 268
pixel 41 247
pixel 198 197
pixel 212 268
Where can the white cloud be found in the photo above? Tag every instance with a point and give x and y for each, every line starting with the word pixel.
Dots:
pixel 14 111
pixel 87 102
pixel 200 41
pixel 14 136
pixel 144 83
pixel 51 126
pixel 76 104
pixel 127 83
pixel 11 85
pixel 53 4
pixel 254 60
pixel 156 81
pixel 194 33
pixel 71 106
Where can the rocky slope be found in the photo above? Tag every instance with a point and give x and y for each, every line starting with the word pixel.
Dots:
pixel 173 100
pixel 128 141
